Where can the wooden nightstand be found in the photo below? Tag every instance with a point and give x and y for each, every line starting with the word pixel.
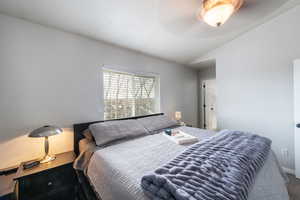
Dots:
pixel 55 180
pixel 7 184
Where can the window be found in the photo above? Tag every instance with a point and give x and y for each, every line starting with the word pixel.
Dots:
pixel 127 95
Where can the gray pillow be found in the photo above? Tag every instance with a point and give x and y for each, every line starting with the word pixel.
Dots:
pixel 155 123
pixel 107 132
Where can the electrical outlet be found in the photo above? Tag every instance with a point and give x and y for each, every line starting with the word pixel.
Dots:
pixel 285 156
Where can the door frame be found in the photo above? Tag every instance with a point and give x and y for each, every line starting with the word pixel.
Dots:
pixel 204 104
pixel 296 72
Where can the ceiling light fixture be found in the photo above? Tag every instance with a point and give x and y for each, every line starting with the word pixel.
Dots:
pixel 216 12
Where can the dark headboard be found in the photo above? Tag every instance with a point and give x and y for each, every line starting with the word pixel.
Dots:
pixel 79 128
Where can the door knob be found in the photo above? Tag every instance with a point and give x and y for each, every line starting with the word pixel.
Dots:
pixel 298 125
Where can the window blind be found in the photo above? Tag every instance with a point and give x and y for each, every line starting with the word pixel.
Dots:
pixel 127 95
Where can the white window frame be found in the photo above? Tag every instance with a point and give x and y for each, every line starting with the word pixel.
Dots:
pixel 119 69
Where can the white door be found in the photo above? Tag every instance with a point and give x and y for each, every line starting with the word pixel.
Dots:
pixel 297 115
pixel 209 104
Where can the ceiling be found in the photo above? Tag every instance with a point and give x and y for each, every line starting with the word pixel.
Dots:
pixel 163 28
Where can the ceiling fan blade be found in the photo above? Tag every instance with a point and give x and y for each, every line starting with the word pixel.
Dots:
pixel 249 4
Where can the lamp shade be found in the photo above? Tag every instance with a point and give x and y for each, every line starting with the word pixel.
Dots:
pixel 45 131
pixel 178 115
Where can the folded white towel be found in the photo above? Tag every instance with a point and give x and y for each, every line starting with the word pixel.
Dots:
pixel 180 137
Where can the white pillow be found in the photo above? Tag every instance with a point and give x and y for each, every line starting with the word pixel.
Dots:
pixel 106 132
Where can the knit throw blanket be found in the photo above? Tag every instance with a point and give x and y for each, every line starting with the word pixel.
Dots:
pixel 222 167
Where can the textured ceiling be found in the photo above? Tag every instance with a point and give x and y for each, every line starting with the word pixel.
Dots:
pixel 163 28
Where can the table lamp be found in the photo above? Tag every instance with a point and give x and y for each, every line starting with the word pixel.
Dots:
pixel 45 132
pixel 178 116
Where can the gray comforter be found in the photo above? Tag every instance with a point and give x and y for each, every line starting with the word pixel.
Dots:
pixel 115 172
pixel 221 167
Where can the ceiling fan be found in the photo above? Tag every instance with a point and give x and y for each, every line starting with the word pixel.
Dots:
pixel 209 18
pixel 216 12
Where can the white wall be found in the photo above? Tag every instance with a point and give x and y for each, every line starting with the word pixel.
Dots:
pixel 255 81
pixel 53 77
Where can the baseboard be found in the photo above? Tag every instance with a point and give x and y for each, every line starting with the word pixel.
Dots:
pixel 288 170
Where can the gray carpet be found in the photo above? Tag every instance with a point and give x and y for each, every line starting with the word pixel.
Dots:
pixel 294 188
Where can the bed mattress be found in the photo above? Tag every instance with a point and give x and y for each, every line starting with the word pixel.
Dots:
pixel 115 172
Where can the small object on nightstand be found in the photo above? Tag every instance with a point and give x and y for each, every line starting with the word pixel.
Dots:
pixel 51 180
pixel 30 165
pixel 8 171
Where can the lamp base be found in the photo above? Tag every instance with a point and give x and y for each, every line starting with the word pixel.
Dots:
pixel 47 158
pixel 182 123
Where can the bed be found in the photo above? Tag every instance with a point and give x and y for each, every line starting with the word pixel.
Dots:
pixel 115 172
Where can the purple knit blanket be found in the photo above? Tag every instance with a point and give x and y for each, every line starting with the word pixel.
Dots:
pixel 222 167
